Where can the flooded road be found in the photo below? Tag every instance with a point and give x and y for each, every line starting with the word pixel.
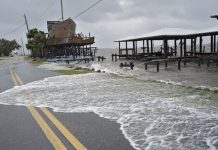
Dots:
pixel 167 110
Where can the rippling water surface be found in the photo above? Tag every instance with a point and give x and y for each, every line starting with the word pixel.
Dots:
pixel 170 110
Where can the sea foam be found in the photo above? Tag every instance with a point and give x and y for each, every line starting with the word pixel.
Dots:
pixel 152 115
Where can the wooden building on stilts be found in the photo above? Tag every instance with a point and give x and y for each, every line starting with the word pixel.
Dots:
pixel 63 42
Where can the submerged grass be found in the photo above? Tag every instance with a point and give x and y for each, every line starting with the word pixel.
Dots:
pixel 72 72
pixel 3 58
pixel 34 61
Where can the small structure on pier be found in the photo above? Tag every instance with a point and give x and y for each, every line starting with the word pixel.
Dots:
pixel 172 43
pixel 63 42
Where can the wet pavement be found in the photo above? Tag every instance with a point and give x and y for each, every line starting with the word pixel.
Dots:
pixel 19 130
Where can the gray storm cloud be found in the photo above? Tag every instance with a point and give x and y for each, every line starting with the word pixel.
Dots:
pixel 110 19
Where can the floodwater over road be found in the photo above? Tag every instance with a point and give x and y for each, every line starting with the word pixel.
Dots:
pixel 167 110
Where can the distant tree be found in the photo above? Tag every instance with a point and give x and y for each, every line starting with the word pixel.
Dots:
pixel 36 42
pixel 6 46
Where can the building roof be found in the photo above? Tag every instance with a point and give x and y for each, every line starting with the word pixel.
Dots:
pixel 170 33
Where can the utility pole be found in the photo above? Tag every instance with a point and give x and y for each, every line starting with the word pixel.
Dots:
pixel 22 46
pixel 62 11
pixel 26 23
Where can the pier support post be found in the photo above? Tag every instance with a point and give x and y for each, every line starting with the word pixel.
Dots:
pixel 184 62
pixel 127 53
pixel 148 49
pixel 192 46
pixel 175 47
pixel 181 47
pixel 143 47
pixel 201 40
pixel 166 64
pixel 146 66
pixel 131 65
pixel 115 57
pixel 185 48
pixel 112 56
pixel 199 62
pixel 179 64
pixel 120 48
pixel 158 66
pixel 211 43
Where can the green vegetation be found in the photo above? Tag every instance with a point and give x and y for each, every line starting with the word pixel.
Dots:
pixel 34 61
pixel 72 72
pixel 6 47
pixel 36 42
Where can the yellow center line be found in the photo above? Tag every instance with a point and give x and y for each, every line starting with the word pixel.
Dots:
pixel 56 142
pixel 72 139
pixel 52 137
pixel 13 78
pixel 67 134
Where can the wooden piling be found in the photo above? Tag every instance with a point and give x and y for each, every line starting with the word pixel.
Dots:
pixel 119 48
pixel 201 40
pixel 148 49
pixel 199 62
pixel 131 65
pixel 214 47
pixel 152 47
pixel 165 46
pixel 184 62
pixel 166 64
pixel 179 64
pixel 143 47
pixel 185 48
pixel 195 45
pixel 158 66
pixel 192 46
pixel 127 53
pixel 175 47
pixel 146 66
pixel 181 47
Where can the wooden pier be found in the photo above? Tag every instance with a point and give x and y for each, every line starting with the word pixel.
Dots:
pixel 173 46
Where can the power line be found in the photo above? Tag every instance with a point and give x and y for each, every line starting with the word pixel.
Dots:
pixel 53 2
pixel 14 30
pixel 20 26
pixel 46 10
pixel 96 3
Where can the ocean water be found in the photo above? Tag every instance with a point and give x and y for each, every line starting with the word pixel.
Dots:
pixel 169 110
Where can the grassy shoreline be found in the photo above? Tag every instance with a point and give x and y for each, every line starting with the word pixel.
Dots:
pixel 4 58
pixel 63 71
pixel 34 61
pixel 73 71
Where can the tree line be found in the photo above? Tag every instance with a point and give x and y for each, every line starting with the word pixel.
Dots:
pixel 36 41
pixel 7 46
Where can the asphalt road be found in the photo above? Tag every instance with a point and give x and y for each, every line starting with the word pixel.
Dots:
pixel 19 130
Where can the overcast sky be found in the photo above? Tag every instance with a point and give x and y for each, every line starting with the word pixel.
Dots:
pixel 109 20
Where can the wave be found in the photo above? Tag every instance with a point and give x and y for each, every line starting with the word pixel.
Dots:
pixel 152 114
